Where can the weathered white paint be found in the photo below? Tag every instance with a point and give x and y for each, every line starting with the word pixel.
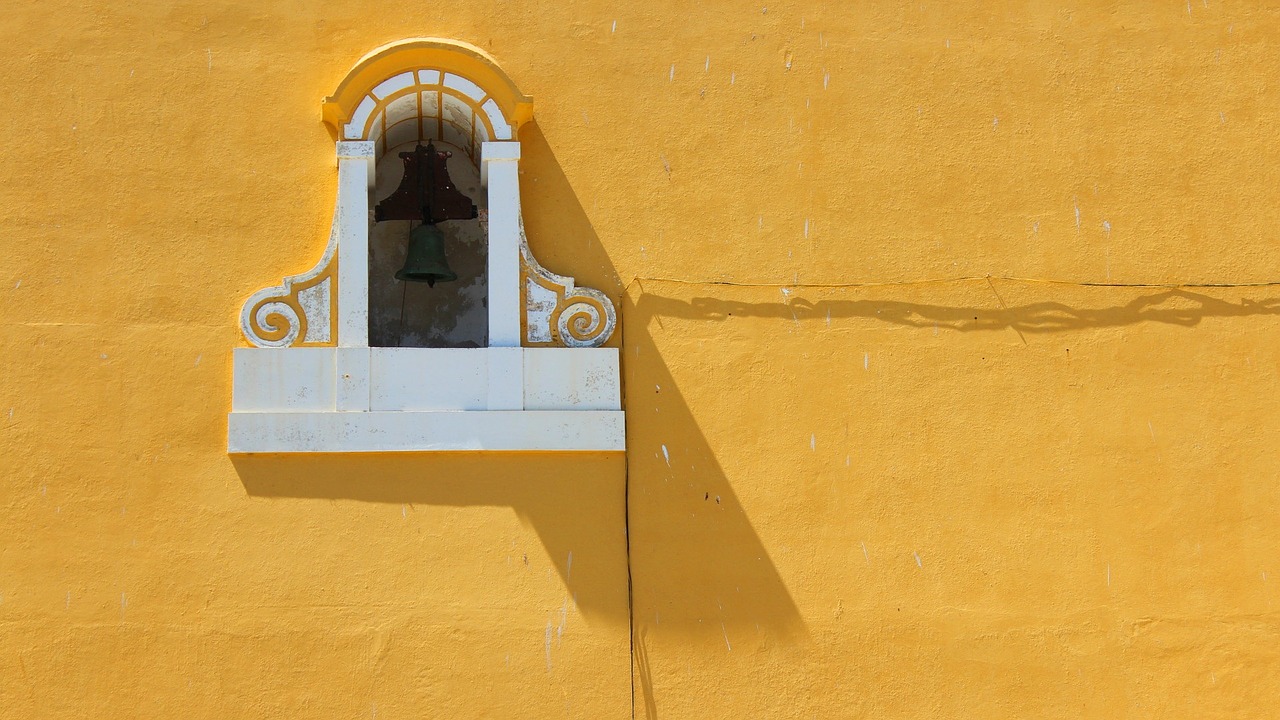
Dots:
pixel 499 172
pixel 390 85
pixel 351 220
pixel 573 303
pixel 501 130
pixel 464 86
pixel 429 379
pixel 473 386
pixel 282 379
pixel 315 302
pixel 590 430
pixel 571 379
pixel 355 129
pixel 351 376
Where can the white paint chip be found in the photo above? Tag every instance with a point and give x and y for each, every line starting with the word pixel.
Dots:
pixel 813 442
pixel 666 456
pixel 866 361
pixel 614 29
pixel 672 75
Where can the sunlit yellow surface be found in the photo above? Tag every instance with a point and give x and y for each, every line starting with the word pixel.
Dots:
pixel 981 498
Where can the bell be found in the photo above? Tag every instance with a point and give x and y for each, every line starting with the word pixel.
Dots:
pixel 425 261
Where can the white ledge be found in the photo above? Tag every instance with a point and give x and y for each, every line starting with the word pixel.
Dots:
pixel 475 430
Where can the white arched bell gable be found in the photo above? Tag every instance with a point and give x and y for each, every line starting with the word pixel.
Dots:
pixel 312 383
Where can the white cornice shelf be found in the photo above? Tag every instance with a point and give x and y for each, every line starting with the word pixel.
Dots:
pixel 460 430
pixel 298 400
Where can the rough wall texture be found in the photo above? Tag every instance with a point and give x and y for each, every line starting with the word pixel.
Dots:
pixel 967 499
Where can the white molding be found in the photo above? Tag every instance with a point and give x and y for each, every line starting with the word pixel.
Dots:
pixel 351 220
pixel 500 171
pixel 556 315
pixel 534 399
pixel 487 430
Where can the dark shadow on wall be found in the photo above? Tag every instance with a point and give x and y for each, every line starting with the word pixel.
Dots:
pixel 701 571
pixel 560 232
pixel 698 568
pixel 571 501
pixel 1174 306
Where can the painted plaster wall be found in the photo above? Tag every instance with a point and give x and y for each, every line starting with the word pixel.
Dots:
pixel 988 499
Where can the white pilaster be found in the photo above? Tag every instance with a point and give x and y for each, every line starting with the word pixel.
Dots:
pixel 499 169
pixel 355 177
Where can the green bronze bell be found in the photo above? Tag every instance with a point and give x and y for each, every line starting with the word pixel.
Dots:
pixel 425 261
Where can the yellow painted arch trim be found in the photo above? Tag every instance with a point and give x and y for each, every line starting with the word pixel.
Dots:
pixel 450 56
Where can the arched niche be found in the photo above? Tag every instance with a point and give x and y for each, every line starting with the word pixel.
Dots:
pixel 315 382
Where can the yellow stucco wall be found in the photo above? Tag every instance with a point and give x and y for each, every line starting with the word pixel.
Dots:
pixel 962 499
